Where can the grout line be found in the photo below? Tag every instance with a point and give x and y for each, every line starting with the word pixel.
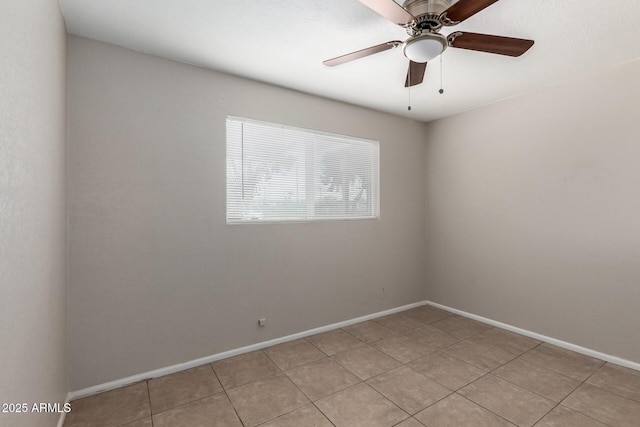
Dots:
pixel 215 374
pixel 316 347
pixel 234 409
pixel 486 409
pixel 184 404
pixel 387 399
pixel 226 394
pixel 270 359
pixel 323 414
pixel 608 390
pixel 149 398
pixel 564 398
pixel 549 411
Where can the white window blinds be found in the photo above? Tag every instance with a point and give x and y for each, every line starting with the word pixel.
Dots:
pixel 279 173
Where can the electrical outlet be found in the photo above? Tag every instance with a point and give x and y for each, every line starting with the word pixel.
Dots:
pixel 262 322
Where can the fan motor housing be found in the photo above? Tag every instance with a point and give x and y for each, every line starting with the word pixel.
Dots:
pixel 427 13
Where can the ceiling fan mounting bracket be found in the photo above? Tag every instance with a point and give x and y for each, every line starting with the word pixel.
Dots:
pixel 421 7
pixel 446 21
pixel 451 37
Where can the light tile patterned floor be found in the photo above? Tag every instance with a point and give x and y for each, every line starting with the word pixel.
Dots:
pixel 421 367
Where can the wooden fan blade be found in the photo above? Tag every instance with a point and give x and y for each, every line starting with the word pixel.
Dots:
pixel 464 9
pixel 390 10
pixel 361 53
pixel 415 73
pixel 487 43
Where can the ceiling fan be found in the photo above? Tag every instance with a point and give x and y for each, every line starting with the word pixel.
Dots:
pixel 423 19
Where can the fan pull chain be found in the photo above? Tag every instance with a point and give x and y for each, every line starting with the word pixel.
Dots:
pixel 409 87
pixel 441 91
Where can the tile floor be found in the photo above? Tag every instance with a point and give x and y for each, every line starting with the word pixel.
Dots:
pixel 421 367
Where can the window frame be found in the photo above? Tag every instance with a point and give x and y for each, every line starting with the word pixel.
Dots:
pixel 375 175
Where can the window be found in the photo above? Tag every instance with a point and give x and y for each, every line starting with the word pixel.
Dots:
pixel 279 173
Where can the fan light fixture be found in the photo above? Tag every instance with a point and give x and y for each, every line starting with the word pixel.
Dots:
pixel 425 47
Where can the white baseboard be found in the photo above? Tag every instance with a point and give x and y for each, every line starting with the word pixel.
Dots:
pixel 73 395
pixel 540 337
pixel 63 415
pixel 209 359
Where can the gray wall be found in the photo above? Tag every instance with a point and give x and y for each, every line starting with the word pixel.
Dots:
pixel 32 208
pixel 156 276
pixel 533 212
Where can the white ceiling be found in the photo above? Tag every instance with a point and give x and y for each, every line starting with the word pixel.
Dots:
pixel 284 42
